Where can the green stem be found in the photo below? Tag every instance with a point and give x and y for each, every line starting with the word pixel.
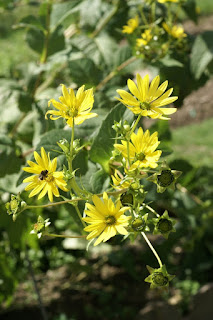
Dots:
pixel 104 22
pixel 62 236
pixel 153 11
pixel 80 216
pixel 17 124
pixel 128 155
pixel 152 248
pixel 143 16
pixel 135 125
pixel 152 210
pixel 44 53
pixel 71 145
pixel 49 204
pixel 114 72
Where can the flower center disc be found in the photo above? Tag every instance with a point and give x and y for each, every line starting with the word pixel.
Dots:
pixel 145 106
pixel 141 156
pixel 110 220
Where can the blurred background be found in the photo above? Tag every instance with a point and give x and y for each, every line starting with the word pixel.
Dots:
pixel 46 43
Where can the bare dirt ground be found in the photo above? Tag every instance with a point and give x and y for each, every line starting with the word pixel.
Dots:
pixel 197 106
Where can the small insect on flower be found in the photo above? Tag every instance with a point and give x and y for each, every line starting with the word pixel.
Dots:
pixel 46 178
pixel 105 218
pixel 148 100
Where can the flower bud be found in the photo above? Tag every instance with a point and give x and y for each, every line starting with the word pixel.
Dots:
pixel 126 199
pixel 138 224
pixel 159 279
pixel 164 225
pixel 15 206
pixel 165 179
pixel 64 145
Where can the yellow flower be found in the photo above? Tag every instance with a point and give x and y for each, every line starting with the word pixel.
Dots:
pixel 142 147
pixel 149 99
pixel 120 183
pixel 175 31
pixel 73 107
pixel 105 218
pixel 146 37
pixel 46 179
pixel 164 1
pixel 132 24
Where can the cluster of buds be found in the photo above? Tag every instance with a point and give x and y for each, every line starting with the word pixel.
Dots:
pixel 15 206
pixel 40 226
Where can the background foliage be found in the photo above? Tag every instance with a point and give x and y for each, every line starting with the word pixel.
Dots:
pixel 81 42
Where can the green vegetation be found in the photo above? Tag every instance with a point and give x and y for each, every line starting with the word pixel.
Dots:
pixel 194 143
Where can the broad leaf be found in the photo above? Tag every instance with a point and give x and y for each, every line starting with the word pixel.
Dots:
pixel 202 53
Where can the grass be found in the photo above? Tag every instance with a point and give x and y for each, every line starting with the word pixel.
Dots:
pixel 206 6
pixel 194 143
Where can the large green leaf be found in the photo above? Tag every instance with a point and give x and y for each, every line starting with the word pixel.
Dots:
pixel 60 11
pixel 102 147
pixel 9 161
pixel 100 49
pixel 202 53
pixel 36 39
pixel 84 71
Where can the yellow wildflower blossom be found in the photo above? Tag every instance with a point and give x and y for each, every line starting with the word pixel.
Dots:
pixel 46 179
pixel 146 37
pixel 132 24
pixel 120 183
pixel 175 31
pixel 164 1
pixel 142 147
pixel 73 107
pixel 148 100
pixel 105 218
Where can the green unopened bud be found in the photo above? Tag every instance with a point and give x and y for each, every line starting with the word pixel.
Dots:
pixel 166 178
pixel 164 225
pixel 64 145
pixel 126 199
pixel 138 224
pixel 158 278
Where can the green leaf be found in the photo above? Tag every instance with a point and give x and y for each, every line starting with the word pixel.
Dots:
pixel 164 136
pixel 9 162
pixel 122 54
pixel 99 181
pixel 30 22
pixel 102 147
pixel 84 71
pixel 94 9
pixel 36 40
pixel 190 8
pixel 167 61
pixel 60 11
pixel 202 53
